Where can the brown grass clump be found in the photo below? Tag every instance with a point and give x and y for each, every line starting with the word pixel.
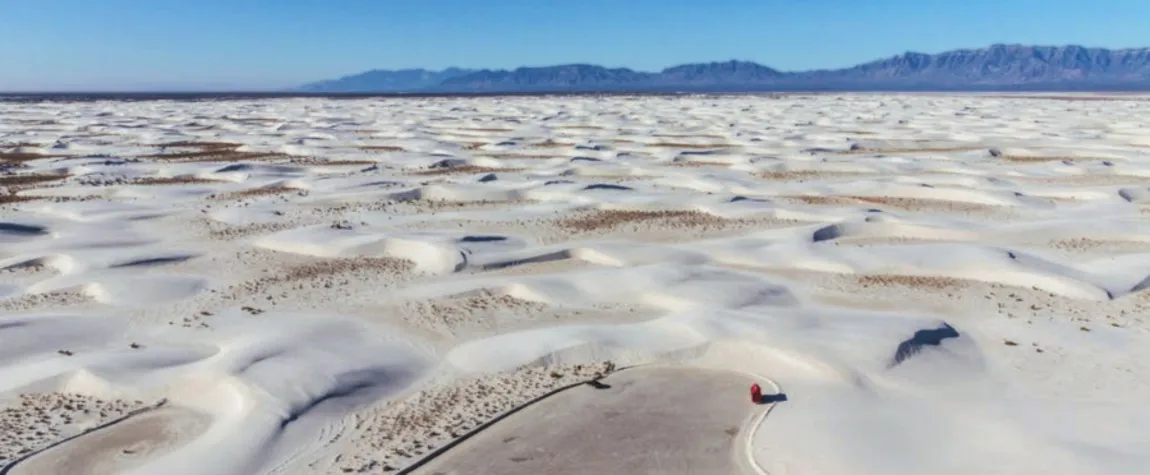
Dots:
pixel 700 163
pixel 551 144
pixel 185 180
pixel 254 120
pixel 16 157
pixel 201 145
pixel 337 266
pixel 907 204
pixel 1077 243
pixel 402 430
pixel 913 204
pixel 471 145
pixel 421 206
pixel 864 150
pixel 1088 179
pixel 688 136
pixel 692 146
pixel 326 268
pixel 484 129
pixel 330 163
pixel 578 127
pixel 58 298
pixel 792 175
pixel 12 198
pixel 463 170
pixel 227 232
pixel 456 311
pixel 606 219
pixel 822 200
pixel 29 179
pixel 255 192
pixel 918 281
pixel 518 155
pixel 1039 159
pixel 35 121
pixel 382 148
pixel 1082 244
pixel 35 421
pixel 209 152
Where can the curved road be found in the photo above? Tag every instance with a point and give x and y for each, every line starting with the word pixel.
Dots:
pixel 649 420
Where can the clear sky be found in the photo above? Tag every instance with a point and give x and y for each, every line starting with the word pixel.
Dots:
pixel 265 44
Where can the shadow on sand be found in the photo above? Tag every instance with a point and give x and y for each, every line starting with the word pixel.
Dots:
pixel 920 339
pixel 773 398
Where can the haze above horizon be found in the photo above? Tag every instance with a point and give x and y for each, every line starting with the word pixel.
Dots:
pixel 172 45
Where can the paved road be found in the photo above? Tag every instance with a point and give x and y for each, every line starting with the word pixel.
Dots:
pixel 650 421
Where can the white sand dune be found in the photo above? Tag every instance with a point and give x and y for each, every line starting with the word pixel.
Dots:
pixel 939 284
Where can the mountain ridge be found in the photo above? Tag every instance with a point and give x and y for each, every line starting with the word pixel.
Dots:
pixel 998 66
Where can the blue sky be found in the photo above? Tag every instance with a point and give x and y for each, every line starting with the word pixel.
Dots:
pixel 261 44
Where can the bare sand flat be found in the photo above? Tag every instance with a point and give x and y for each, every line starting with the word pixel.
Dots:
pixel 942 284
pixel 662 420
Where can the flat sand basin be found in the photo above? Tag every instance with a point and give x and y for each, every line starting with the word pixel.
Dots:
pixel 121 446
pixel 650 420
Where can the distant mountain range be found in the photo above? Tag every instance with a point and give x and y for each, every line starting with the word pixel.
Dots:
pixel 997 67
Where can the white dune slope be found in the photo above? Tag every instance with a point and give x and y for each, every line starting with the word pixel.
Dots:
pixel 939 284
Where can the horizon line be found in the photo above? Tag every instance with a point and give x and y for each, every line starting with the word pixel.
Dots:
pixel 825 68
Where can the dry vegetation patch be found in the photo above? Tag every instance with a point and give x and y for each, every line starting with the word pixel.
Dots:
pixel 255 192
pixel 194 151
pixel 700 163
pixel 254 120
pixel 13 198
pixel 867 150
pixel 550 144
pixel 327 273
pixel 463 170
pixel 692 146
pixel 924 204
pixel 519 156
pixel 17 157
pixel 689 136
pixel 393 435
pixel 1041 159
pixel 1085 244
pixel 59 298
pixel 423 206
pixel 821 200
pixel 578 127
pixel 485 129
pixel 227 232
pixel 805 175
pixel 316 162
pixel 328 267
pixel 471 145
pixel 183 180
pixel 382 148
pixel 917 281
pixel 40 419
pixel 469 310
pixel 607 219
pixel 906 204
pixel 30 179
